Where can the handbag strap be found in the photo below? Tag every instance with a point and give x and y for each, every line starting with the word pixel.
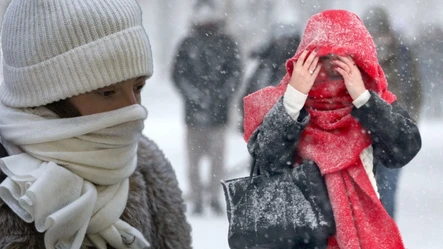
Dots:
pixel 254 165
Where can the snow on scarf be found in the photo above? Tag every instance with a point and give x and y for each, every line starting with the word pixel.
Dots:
pixel 333 138
pixel 70 176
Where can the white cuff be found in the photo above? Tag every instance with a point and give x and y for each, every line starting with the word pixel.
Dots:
pixel 362 99
pixel 293 101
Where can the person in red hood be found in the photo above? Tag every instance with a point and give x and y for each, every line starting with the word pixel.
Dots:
pixel 333 108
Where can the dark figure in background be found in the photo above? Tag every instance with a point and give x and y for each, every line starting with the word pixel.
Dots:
pixel 207 73
pixel 283 42
pixel 401 70
pixel 429 47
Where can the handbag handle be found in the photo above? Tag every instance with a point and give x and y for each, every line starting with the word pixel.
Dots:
pixel 253 168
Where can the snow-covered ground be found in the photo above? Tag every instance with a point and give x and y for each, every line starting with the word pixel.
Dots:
pixel 420 206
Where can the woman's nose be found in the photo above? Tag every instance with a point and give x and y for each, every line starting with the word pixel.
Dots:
pixel 130 98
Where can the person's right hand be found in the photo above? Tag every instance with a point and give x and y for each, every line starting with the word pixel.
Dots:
pixel 305 72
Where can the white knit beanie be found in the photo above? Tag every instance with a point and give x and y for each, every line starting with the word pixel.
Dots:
pixel 56 49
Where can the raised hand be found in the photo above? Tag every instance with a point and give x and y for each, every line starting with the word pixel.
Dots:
pixel 351 74
pixel 305 72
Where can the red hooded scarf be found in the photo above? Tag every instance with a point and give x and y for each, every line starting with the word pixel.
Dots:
pixel 333 138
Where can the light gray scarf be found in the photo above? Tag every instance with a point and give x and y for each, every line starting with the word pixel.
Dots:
pixel 70 176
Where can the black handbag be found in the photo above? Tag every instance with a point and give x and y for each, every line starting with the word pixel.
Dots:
pixel 285 210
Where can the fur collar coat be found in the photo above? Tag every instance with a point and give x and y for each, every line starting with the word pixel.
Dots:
pixel 155 207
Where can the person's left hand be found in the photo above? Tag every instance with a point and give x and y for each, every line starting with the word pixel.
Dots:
pixel 351 74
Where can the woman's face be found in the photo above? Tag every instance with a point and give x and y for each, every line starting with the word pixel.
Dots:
pixel 110 98
pixel 327 71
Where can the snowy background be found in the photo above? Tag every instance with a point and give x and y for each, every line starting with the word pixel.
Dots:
pixel 420 199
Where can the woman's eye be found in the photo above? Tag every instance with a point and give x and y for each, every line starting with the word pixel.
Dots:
pixel 105 93
pixel 139 88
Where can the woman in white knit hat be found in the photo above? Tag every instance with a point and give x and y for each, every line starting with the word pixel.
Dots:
pixel 76 171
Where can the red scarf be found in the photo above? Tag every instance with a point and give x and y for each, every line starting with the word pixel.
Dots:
pixel 333 139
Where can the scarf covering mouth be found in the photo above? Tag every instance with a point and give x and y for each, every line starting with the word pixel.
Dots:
pixel 333 139
pixel 70 176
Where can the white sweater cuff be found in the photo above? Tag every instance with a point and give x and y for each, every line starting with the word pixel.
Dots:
pixel 362 99
pixel 293 101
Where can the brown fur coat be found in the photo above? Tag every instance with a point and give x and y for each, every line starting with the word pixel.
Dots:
pixel 155 207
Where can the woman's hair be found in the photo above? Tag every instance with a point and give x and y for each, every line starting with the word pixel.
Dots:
pixel 64 109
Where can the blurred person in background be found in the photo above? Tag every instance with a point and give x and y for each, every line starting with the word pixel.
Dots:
pixel 401 69
pixel 429 47
pixel 75 170
pixel 207 73
pixel 397 59
pixel 282 44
